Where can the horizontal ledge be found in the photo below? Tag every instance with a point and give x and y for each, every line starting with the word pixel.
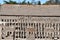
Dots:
pixel 34 15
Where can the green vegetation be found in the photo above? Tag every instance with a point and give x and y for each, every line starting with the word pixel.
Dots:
pixel 47 3
pixel 10 2
pixel 56 2
pixel 22 3
pixel 39 3
pixel 32 2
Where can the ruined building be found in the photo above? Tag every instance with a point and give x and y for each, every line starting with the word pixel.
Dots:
pixel 29 22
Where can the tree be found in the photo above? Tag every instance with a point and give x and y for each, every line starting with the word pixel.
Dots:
pixel 39 3
pixel 10 2
pixel 24 2
pixel 47 3
pixel 57 2
pixel 29 3
pixel 51 2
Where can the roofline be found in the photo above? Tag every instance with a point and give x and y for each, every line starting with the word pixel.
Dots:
pixel 34 15
pixel 23 5
pixel 30 5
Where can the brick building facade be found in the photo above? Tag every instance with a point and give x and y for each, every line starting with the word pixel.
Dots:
pixel 28 22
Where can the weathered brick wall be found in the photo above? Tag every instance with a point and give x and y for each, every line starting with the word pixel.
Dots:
pixel 30 9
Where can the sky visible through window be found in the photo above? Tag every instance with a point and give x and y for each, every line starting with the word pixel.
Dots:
pixel 42 1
